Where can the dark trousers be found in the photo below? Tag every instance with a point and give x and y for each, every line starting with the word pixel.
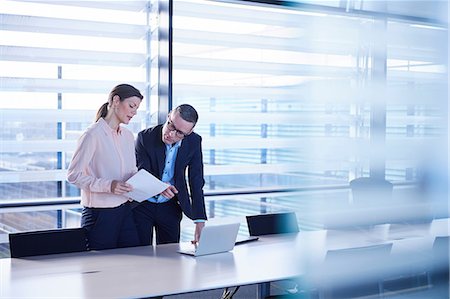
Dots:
pixel 164 217
pixel 110 227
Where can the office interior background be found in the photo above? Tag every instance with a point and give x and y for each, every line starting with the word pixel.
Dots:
pixel 296 99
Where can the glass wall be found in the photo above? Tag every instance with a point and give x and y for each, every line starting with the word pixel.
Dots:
pixel 58 62
pixel 311 97
pixel 300 96
pixel 274 90
pixel 303 96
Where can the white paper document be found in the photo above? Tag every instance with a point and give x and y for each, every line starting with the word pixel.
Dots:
pixel 145 185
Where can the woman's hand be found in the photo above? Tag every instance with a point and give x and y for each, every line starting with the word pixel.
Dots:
pixel 118 187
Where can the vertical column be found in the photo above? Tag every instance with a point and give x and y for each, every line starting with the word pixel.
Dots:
pixel 148 63
pixel 212 158
pixel 165 10
pixel 264 134
pixel 378 102
pixel 59 156
pixel 358 130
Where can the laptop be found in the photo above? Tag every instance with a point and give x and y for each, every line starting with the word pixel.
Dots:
pixel 214 239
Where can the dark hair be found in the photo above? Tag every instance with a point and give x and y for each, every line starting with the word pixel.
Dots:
pixel 124 91
pixel 187 112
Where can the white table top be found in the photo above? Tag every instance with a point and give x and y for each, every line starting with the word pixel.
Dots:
pixel 145 271
pixel 153 271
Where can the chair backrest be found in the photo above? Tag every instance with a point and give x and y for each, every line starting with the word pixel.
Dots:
pixel 367 188
pixel 440 261
pixel 357 271
pixel 364 253
pixel 357 262
pixel 47 242
pixel 277 223
pixel 441 249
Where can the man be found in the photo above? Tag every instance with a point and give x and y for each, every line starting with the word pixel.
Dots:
pixel 166 151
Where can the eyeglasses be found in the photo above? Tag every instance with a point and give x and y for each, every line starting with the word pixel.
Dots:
pixel 171 127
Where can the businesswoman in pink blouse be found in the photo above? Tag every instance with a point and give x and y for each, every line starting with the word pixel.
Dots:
pixel 103 160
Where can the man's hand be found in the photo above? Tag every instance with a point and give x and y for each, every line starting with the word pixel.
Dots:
pixel 198 231
pixel 170 192
pixel 118 187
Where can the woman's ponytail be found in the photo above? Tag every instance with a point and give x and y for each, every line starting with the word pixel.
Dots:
pixel 102 111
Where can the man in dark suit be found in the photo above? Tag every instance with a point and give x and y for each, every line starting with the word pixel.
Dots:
pixel 166 151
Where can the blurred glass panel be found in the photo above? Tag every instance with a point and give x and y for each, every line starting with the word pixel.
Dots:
pixel 281 78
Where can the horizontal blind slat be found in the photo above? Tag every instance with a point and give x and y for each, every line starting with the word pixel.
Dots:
pixel 38 54
pixel 72 27
pixel 60 85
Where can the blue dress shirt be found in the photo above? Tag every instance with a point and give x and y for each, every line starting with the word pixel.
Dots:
pixel 169 170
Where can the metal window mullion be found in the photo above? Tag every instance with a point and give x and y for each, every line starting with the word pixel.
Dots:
pixel 165 37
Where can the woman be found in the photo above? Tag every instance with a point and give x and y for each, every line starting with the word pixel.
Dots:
pixel 103 161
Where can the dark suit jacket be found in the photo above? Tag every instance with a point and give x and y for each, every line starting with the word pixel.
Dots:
pixel 151 155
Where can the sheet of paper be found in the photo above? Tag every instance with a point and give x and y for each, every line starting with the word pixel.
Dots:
pixel 145 185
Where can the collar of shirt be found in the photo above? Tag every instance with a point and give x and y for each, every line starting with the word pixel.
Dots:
pixel 176 144
pixel 104 125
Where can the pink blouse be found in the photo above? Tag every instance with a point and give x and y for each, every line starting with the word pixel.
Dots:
pixel 102 155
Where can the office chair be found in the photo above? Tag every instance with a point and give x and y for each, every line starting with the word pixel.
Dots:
pixel 368 195
pixel 440 260
pixel 430 278
pixel 354 272
pixel 275 223
pixel 368 188
pixel 43 242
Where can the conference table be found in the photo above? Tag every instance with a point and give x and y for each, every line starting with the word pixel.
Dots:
pixel 147 271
